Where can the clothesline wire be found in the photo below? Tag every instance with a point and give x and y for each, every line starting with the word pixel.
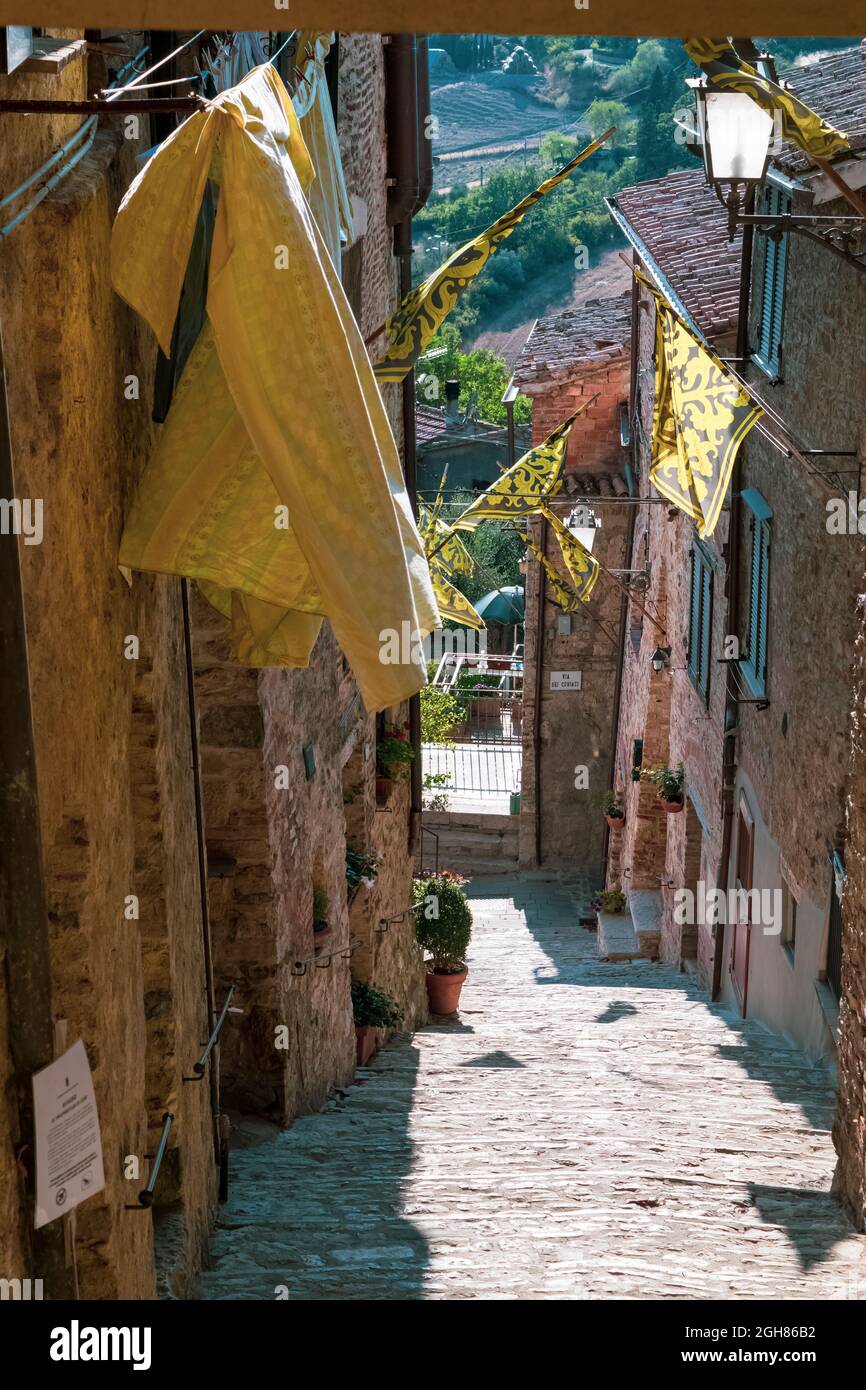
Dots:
pixel 275 56
pixel 136 81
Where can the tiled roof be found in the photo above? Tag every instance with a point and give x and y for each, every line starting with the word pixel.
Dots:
pixel 431 427
pixel 835 88
pixel 685 230
pixel 581 482
pixel 585 335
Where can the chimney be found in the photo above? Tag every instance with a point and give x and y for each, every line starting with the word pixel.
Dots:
pixel 452 395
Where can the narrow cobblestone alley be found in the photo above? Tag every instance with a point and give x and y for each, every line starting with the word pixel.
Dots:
pixel 586 1130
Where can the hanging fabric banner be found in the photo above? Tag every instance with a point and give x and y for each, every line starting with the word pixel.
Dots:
pixel 701 415
pixel 452 604
pixel 424 310
pixel 286 506
pixel 579 562
pixel 561 592
pixel 520 489
pixel 726 71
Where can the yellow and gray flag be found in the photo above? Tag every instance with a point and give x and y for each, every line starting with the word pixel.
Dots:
pixel 560 592
pixel 439 539
pixel 538 474
pixel 726 71
pixel 581 566
pixel 701 415
pixel 451 603
pixel 424 310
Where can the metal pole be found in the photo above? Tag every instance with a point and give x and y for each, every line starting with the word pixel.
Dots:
pixel 23 913
pixel 213 1074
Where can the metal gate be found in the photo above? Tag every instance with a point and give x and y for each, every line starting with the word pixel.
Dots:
pixel 482 759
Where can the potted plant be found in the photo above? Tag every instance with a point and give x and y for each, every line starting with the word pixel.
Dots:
pixel 373 1012
pixel 394 756
pixel 669 783
pixel 614 812
pixel 322 930
pixel 609 900
pixel 443 926
pixel 362 867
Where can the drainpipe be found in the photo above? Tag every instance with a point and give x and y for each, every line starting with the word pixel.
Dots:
pixel 23 910
pixel 732 709
pixel 539 687
pixel 629 550
pixel 410 182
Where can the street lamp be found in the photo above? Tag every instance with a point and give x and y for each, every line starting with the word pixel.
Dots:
pixel 735 135
pixel 661 658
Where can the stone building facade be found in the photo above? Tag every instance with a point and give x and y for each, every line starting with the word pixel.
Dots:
pixel 760 618
pixel 287 758
pixel 568 359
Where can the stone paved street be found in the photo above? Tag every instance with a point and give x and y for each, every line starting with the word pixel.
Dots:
pixel 586 1130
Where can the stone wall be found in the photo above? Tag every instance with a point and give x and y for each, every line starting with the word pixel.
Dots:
pixel 112 734
pixel 575 726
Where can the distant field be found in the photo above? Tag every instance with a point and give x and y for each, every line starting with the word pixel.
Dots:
pixel 479 117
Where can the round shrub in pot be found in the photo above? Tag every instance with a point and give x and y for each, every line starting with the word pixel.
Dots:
pixel 443 926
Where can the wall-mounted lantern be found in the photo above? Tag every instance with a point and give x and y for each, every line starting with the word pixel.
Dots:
pixel 661 658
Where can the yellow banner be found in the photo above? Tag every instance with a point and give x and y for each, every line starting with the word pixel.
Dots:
pixel 701 415
pixel 580 564
pixel 424 310
pixel 726 71
pixel 451 603
pixel 538 474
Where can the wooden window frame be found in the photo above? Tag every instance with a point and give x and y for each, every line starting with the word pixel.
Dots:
pixel 754 665
pixel 773 263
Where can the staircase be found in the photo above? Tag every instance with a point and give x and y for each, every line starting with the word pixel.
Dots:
pixel 635 933
pixel 470 843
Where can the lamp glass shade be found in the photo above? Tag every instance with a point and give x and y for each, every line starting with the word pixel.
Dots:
pixel 736 135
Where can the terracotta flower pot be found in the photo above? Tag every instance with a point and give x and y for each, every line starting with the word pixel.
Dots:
pixel 443 991
pixel 672 807
pixel 615 822
pixel 366 1043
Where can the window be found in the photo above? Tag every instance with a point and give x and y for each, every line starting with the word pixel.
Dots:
pixel 771 260
pixel 700 621
pixel 754 665
pixel 789 921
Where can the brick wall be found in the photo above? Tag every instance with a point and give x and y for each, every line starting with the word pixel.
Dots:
pixel 112 734
pixel 575 727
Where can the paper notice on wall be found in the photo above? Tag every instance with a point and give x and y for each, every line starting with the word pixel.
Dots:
pixel 68 1142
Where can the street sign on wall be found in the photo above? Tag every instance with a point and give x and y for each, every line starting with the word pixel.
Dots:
pixel 565 680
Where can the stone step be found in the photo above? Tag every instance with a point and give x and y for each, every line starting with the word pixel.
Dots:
pixel 646 906
pixel 616 938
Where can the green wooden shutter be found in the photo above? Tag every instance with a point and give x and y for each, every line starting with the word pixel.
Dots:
pixel 706 629
pixel 762 537
pixel 694 618
pixel 773 285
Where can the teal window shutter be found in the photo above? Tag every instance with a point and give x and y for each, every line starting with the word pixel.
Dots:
pixel 706 630
pixel 773 269
pixel 700 622
pixel 754 664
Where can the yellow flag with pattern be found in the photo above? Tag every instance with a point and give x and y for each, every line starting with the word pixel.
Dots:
pixel 561 592
pixel 424 310
pixel 701 415
pixel 726 71
pixel 520 489
pixel 451 603
pixel 439 538
pixel 580 564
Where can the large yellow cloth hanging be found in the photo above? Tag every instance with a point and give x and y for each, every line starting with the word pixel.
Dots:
pixel 275 479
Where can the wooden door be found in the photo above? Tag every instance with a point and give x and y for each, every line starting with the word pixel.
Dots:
pixel 740 928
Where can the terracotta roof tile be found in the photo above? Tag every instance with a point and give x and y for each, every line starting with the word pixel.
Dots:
pixel 834 87
pixel 585 335
pixel 684 228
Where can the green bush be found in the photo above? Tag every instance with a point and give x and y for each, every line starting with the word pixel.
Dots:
pixel 443 920
pixel 394 752
pixel 372 1008
pixel 668 781
pixel 439 713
